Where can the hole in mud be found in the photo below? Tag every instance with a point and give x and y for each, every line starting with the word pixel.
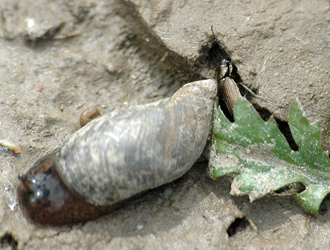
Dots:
pixel 239 225
pixel 290 189
pixel 325 205
pixel 264 113
pixel 212 55
pixel 8 241
pixel 285 130
pixel 282 125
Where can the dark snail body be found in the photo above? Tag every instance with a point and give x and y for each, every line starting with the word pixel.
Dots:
pixel 117 156
pixel 46 200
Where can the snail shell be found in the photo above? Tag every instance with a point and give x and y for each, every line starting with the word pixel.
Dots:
pixel 87 116
pixel 118 156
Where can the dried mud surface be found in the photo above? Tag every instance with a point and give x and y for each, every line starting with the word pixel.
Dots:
pixel 60 57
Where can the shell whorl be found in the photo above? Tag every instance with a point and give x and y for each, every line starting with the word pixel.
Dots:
pixel 139 148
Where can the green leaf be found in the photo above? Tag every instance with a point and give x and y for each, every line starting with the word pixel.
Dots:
pixel 259 153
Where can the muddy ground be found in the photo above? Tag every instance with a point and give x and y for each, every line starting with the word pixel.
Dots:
pixel 60 57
